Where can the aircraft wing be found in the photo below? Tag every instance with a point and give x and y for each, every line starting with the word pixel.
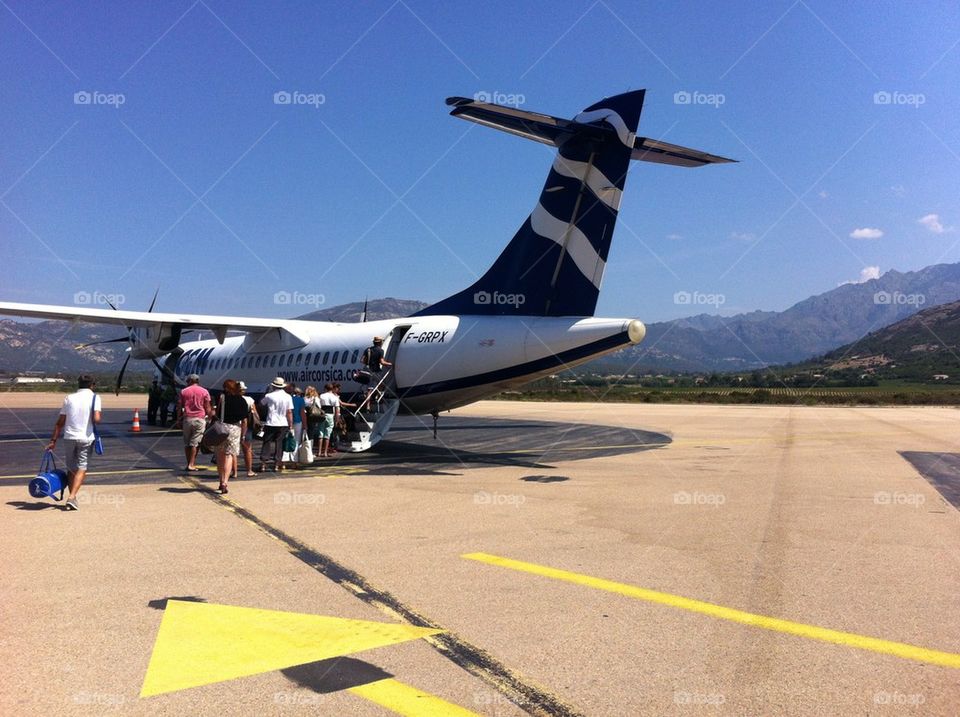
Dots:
pixel 217 324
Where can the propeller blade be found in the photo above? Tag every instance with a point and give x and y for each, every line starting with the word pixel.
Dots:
pixel 97 343
pixel 120 377
pixel 152 303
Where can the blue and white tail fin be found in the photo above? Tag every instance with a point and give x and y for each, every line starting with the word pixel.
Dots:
pixel 554 264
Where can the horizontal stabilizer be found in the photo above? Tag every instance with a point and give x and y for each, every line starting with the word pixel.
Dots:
pixel 531 125
pixel 652 150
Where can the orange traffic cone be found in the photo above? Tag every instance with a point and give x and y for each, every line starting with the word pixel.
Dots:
pixel 136 421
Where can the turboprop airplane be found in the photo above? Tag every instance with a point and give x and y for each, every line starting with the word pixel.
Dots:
pixel 529 315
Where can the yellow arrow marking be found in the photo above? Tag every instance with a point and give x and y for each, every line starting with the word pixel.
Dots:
pixel 899 649
pixel 200 644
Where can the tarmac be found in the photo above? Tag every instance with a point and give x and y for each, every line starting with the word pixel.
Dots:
pixel 533 558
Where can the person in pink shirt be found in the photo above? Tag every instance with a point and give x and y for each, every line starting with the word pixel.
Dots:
pixel 193 409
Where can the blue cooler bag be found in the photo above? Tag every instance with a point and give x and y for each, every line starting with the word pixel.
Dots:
pixel 49 480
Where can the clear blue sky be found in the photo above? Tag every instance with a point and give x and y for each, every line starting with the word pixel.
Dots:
pixel 200 184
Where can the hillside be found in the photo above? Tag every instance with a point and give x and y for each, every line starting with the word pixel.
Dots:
pixel 919 347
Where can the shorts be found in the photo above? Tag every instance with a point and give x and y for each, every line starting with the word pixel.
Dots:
pixel 231 446
pixel 326 426
pixel 193 429
pixel 77 454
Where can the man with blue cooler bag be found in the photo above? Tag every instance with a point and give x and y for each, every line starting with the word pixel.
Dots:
pixel 78 421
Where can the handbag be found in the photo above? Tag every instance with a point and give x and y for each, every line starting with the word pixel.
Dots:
pixel 316 408
pixel 218 431
pixel 289 443
pixel 305 452
pixel 97 441
pixel 49 480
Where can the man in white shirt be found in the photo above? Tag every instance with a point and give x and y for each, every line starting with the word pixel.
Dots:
pixel 80 411
pixel 331 411
pixel 277 424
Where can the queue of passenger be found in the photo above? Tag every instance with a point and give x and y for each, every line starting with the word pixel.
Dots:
pixel 286 420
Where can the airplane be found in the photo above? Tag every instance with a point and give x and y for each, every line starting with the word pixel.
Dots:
pixel 529 315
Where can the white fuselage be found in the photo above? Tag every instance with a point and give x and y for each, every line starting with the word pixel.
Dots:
pixel 440 362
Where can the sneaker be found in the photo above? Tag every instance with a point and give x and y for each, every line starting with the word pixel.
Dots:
pixel 72 505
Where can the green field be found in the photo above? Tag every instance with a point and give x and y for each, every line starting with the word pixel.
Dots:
pixel 887 393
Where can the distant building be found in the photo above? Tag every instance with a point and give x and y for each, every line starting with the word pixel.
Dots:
pixel 940 377
pixel 35 379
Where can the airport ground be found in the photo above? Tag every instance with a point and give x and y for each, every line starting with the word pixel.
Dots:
pixel 542 558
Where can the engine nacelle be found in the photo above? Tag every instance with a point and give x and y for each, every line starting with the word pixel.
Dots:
pixel 154 341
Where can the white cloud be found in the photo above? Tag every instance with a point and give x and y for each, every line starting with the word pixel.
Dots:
pixel 866 233
pixel 932 223
pixel 741 236
pixel 866 274
pixel 823 194
pixel 674 237
pixel 899 190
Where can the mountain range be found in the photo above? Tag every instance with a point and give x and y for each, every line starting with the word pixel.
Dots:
pixel 701 343
pixel 809 328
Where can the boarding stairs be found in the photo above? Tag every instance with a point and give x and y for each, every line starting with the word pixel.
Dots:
pixel 372 418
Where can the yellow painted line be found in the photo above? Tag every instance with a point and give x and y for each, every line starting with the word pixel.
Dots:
pixel 406 700
pixel 898 649
pixel 94 474
pixel 331 472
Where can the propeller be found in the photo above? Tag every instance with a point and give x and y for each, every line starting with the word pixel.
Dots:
pixel 127 339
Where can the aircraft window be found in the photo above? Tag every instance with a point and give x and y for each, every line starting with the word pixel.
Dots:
pixel 273 361
pixel 229 364
pixel 306 360
pixel 356 354
pixel 256 364
pixel 326 357
pixel 336 355
pixel 299 359
pixel 289 359
pixel 316 359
